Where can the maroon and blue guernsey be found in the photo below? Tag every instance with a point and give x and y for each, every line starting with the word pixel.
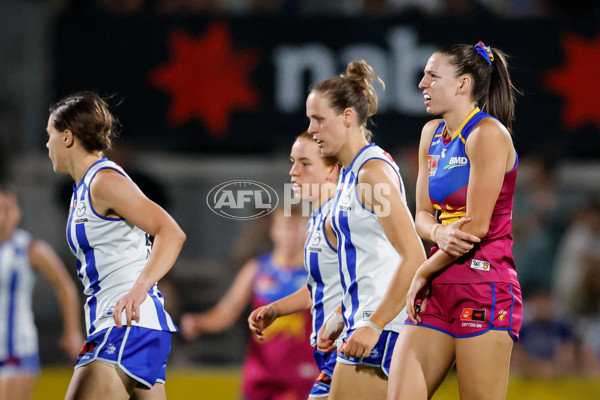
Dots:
pixel 449 168
pixel 282 366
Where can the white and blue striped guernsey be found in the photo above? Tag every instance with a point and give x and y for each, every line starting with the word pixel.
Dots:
pixel 18 335
pixel 367 259
pixel 111 254
pixel 321 263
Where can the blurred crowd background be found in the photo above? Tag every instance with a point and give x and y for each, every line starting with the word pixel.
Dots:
pixel 50 48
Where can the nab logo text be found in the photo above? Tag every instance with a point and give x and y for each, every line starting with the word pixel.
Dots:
pixel 242 199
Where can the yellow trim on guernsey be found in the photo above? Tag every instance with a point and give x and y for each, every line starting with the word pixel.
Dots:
pixel 462 125
pixel 448 215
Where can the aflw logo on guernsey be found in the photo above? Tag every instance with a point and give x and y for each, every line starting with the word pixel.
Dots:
pixel 242 199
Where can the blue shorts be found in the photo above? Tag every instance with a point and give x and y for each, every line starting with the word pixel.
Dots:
pixel 325 363
pixel 381 355
pixel 12 366
pixel 140 352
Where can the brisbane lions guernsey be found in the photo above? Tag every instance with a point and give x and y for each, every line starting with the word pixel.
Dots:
pixel 283 362
pixel 490 260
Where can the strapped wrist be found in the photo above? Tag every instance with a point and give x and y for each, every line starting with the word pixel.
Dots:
pixel 374 326
pixel 333 325
pixel 335 318
pixel 374 319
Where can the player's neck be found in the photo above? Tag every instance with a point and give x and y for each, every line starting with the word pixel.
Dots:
pixel 83 164
pixel 352 148
pixel 454 119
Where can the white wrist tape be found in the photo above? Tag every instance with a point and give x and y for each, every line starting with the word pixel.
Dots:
pixel 374 326
pixel 334 324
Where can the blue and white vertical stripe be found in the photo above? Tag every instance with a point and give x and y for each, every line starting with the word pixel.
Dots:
pixel 111 253
pixel 321 263
pixel 18 335
pixel 367 259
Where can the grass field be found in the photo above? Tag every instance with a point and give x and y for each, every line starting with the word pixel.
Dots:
pixel 223 384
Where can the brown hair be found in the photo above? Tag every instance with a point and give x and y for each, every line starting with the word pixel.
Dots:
pixel 493 90
pixel 86 115
pixel 354 89
pixel 328 160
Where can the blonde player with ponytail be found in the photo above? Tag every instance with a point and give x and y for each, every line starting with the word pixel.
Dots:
pixel 378 247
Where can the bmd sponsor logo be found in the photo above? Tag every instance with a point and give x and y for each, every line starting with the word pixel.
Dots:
pixel 242 199
pixel 456 162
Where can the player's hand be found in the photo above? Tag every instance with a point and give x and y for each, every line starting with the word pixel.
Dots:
pixel 130 303
pixel 260 319
pixel 190 326
pixel 454 241
pixel 70 343
pixel 361 342
pixel 416 298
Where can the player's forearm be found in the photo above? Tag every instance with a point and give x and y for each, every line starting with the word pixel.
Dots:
pixel 165 250
pixel 215 320
pixel 434 264
pixel 426 225
pixel 69 305
pixel 295 302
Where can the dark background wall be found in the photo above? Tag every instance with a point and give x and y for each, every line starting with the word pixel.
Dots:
pixel 208 94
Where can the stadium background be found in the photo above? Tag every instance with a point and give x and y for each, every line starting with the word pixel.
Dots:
pixel 215 95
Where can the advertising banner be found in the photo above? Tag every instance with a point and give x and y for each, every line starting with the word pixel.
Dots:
pixel 239 85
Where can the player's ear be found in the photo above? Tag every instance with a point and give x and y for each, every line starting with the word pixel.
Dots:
pixel 349 115
pixel 334 171
pixel 464 84
pixel 68 138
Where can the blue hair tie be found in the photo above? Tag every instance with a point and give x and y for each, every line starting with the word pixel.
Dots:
pixel 485 52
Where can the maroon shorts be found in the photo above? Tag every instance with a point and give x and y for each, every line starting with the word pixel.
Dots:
pixel 466 310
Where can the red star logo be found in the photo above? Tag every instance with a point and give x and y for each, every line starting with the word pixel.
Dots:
pixel 577 82
pixel 207 79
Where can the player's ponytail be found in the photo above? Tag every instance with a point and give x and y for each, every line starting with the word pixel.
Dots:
pixel 493 90
pixel 500 101
pixel 353 89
